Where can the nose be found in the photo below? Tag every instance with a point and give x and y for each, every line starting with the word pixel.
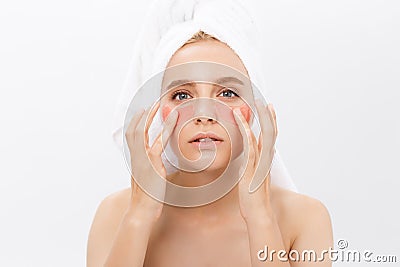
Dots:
pixel 204 120
pixel 204 110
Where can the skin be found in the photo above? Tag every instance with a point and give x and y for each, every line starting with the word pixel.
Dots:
pixel 132 229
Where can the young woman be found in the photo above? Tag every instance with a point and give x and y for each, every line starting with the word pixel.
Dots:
pixel 131 228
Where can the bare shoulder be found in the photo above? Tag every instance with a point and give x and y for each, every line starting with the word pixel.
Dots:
pixel 118 200
pixel 105 224
pixel 296 203
pixel 297 206
pixel 299 212
pixel 112 207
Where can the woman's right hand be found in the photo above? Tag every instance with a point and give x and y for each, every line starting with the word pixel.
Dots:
pixel 146 163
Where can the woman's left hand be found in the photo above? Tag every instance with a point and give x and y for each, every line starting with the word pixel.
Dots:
pixel 254 186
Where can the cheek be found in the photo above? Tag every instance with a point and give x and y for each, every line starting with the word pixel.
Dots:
pixel 227 114
pixel 245 110
pixel 185 113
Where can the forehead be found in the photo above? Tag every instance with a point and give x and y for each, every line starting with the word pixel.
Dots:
pixel 206 61
pixel 208 50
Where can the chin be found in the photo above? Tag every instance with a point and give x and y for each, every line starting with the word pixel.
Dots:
pixel 207 161
pixel 220 162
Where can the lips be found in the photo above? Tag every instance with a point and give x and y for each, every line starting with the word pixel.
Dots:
pixel 206 137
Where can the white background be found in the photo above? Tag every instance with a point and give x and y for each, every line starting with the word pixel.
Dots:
pixel 332 69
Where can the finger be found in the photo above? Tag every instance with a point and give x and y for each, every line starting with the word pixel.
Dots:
pixel 149 120
pixel 260 169
pixel 273 115
pixel 130 130
pixel 268 135
pixel 266 143
pixel 140 132
pixel 268 177
pixel 255 149
pixel 130 137
pixel 259 142
pixel 163 137
pixel 273 122
pixel 246 135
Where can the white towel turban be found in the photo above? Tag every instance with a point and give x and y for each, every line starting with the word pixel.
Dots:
pixel 167 26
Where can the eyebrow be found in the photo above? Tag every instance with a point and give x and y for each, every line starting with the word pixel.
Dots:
pixel 229 79
pixel 179 82
pixel 192 83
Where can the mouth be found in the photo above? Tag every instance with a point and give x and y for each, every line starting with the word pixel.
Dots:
pixel 206 139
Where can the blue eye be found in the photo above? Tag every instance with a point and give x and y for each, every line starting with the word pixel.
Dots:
pixel 228 93
pixel 180 96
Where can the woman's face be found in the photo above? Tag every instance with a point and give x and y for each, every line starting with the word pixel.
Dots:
pixel 228 91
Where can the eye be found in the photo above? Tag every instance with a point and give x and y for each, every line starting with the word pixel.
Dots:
pixel 180 95
pixel 228 93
